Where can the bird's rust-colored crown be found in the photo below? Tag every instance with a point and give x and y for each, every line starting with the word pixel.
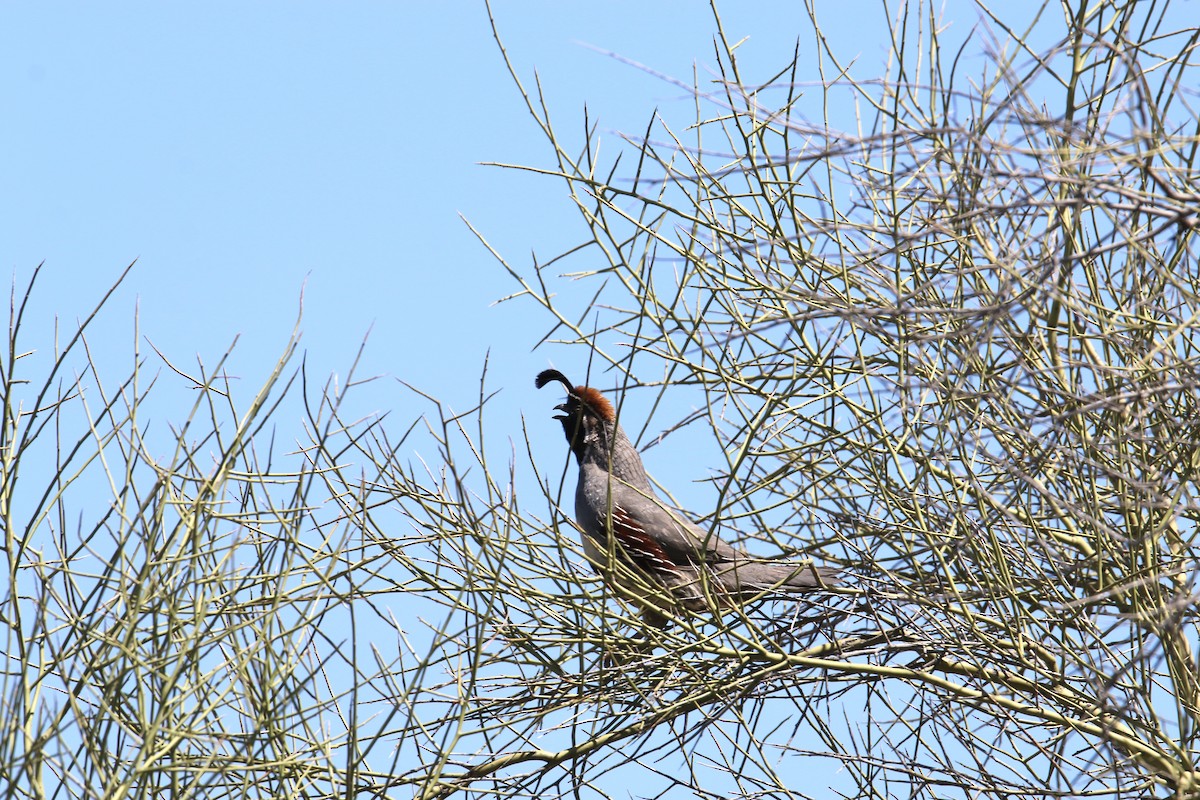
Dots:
pixel 596 402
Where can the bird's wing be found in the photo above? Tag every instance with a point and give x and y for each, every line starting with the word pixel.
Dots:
pixel 674 536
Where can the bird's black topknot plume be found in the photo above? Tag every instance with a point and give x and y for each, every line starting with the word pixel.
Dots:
pixel 548 375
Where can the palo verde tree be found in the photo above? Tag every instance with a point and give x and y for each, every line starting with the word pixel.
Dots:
pixel 950 347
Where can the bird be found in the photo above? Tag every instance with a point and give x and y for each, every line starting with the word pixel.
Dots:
pixel 648 551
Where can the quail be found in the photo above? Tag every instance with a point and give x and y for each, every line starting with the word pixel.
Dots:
pixel 648 550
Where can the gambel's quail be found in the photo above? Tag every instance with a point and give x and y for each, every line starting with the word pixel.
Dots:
pixel 652 553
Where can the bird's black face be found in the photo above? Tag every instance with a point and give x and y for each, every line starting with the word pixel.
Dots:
pixel 576 423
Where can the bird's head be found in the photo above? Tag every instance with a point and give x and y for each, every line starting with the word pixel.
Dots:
pixel 588 419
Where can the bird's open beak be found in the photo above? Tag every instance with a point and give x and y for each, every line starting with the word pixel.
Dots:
pixel 562 408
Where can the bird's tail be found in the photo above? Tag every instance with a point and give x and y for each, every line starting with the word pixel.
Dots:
pixel 747 577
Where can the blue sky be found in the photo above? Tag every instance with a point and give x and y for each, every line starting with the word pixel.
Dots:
pixel 242 151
